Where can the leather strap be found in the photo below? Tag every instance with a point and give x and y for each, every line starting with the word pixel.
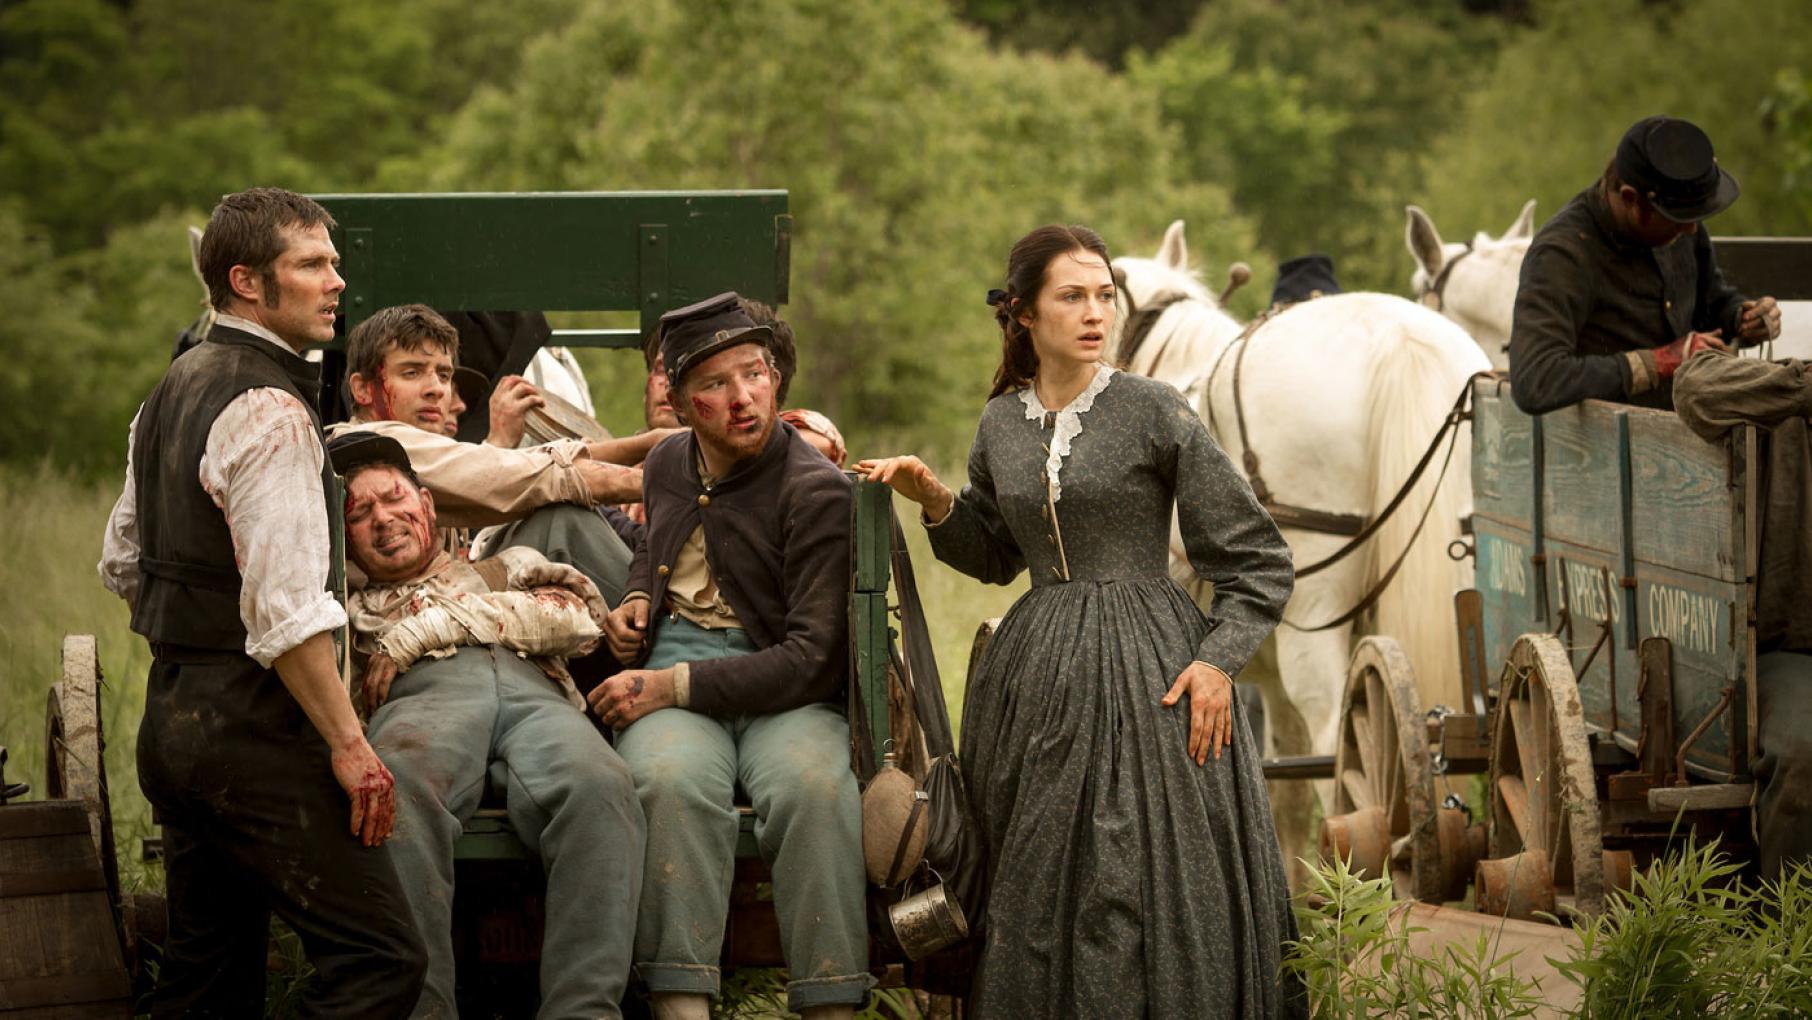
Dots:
pixel 919 800
pixel 1435 294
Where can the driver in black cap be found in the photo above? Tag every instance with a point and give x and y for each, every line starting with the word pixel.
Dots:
pixel 1621 286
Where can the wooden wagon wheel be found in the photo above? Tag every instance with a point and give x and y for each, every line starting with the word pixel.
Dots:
pixel 75 766
pixel 1547 854
pixel 1384 817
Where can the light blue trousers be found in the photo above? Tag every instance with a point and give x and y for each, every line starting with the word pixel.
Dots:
pixel 570 799
pixel 794 768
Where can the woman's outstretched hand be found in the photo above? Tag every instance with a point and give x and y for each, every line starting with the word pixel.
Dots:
pixel 1210 708
pixel 911 478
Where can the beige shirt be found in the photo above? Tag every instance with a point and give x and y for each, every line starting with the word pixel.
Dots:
pixel 500 601
pixel 691 590
pixel 477 484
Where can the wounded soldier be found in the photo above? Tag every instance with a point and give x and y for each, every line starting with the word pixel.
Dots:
pixel 465 678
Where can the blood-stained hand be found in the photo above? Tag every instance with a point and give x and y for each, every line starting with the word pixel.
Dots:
pixel 1210 694
pixel 1759 321
pixel 372 789
pixel 511 402
pixel 626 630
pixel 1669 357
pixel 910 477
pixel 632 694
pixel 380 671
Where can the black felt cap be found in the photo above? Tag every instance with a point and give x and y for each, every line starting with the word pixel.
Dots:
pixel 692 334
pixel 350 450
pixel 1670 162
pixel 1304 277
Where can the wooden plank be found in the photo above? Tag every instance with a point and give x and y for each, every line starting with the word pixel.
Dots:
pixel 65 989
pixel 1580 488
pixel 1699 618
pixel 573 251
pixel 43 818
pixel 1706 797
pixel 1683 512
pixel 1501 455
pixel 1507 584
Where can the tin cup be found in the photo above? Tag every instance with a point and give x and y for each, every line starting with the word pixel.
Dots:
pixel 927 921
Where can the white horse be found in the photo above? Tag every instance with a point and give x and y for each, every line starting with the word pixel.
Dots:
pixel 1479 291
pixel 1340 397
pixel 1472 284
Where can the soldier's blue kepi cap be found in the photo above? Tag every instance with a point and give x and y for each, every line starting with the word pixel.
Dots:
pixel 692 334
pixel 349 450
pixel 1669 162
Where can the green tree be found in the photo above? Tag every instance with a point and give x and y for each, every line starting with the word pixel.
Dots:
pixel 913 153
pixel 1548 118
pixel 1312 114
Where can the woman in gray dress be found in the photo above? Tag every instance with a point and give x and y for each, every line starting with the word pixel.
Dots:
pixel 1133 868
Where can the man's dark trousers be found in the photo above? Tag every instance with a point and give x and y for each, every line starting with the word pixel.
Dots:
pixel 254 822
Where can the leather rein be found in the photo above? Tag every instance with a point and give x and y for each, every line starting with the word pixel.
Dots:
pixel 1356 526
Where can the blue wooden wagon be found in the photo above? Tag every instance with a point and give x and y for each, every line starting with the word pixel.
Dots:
pixel 1607 648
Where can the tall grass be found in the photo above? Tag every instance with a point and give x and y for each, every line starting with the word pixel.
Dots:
pixel 49 588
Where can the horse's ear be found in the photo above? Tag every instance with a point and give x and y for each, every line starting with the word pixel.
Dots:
pixel 1174 252
pixel 195 253
pixel 1524 225
pixel 1424 241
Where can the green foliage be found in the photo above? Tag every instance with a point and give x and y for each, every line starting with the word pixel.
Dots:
pixel 86 336
pixel 1691 941
pixel 1548 118
pixel 914 156
pixel 54 525
pixel 1787 114
pixel 1355 957
pixel 1312 113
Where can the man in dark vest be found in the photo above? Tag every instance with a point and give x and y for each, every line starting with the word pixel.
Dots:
pixel 250 749
pixel 744 581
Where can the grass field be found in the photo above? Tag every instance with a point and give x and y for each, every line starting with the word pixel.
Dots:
pixel 49 588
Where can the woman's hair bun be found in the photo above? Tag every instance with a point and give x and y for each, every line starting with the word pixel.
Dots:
pixel 997 296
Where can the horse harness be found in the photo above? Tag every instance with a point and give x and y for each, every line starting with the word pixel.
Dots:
pixel 1327 522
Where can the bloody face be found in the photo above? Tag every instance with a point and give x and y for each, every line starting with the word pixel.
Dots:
pixel 411 386
pixel 729 401
pixel 1074 312
pixel 299 297
pixel 389 524
pixel 657 408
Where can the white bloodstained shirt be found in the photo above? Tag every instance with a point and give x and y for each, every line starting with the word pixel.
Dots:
pixel 262 468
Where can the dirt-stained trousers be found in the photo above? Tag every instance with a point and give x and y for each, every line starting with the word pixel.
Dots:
pixel 794 768
pixel 449 722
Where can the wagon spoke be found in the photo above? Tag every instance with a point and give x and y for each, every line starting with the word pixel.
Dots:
pixel 1515 798
pixel 1358 787
pixel 1367 748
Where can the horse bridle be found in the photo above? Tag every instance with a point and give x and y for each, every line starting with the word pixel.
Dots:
pixel 1435 294
pixel 1140 320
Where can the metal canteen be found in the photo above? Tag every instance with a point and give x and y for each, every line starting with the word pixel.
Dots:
pixel 926 922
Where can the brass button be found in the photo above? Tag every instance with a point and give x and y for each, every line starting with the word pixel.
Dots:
pixel 1669 305
pixel 704 500
pixel 663 570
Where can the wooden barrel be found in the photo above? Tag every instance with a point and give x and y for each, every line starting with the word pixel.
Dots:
pixel 59 953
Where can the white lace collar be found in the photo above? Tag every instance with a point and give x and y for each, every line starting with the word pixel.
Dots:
pixel 1069 423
